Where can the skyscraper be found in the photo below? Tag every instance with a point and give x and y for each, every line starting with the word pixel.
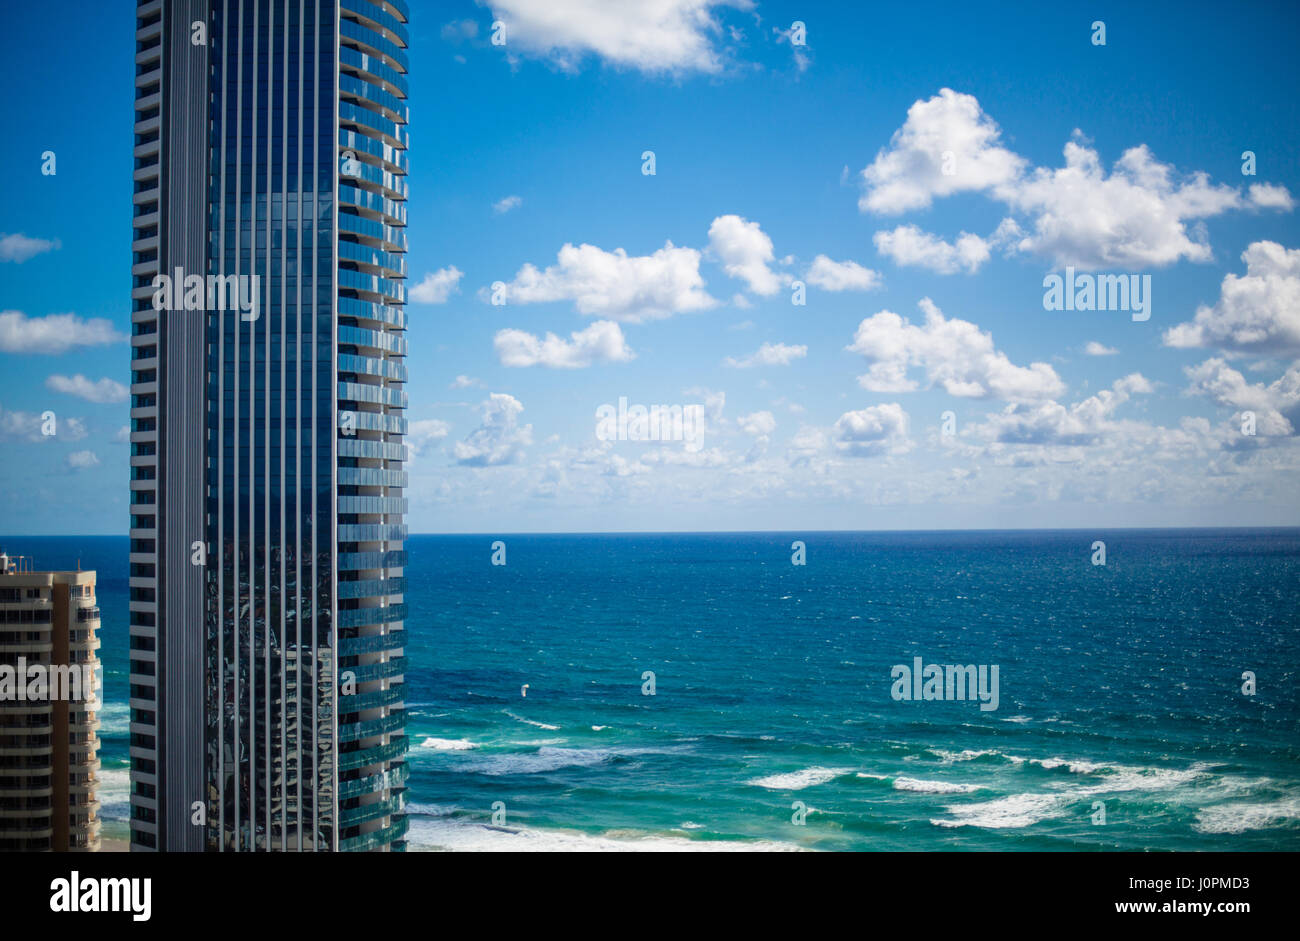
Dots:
pixel 267 614
pixel 49 731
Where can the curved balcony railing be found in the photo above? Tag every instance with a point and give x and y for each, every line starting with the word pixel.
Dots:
pixel 370 672
pixel 371 532
pixel 366 561
pixel 368 505
pixel 373 643
pixel 391 396
pixel 387 288
pixel 374 121
pixel 369 617
pixel 396 776
pixel 379 450
pixel 359 172
pixel 356 731
pixel 378 421
pixel 376 14
pixel 364 813
pixel 369 40
pixel 369 841
pixel 401 7
pixel 350 761
pixel 367 91
pixel 394 210
pixel 372 366
pixel 371 477
pixel 368 310
pixel 373 229
pixel 377 148
pixel 387 342
pixel 379 699
pixel 394 265
pixel 372 65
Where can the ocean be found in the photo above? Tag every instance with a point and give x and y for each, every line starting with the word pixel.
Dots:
pixel 701 692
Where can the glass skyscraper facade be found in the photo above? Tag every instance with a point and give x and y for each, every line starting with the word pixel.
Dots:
pixel 267 611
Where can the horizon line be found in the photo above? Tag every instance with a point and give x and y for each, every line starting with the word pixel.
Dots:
pixel 746 532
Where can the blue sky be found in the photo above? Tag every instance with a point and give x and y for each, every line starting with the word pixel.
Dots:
pixel 775 163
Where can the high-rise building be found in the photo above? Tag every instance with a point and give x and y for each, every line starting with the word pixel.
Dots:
pixel 49 732
pixel 267 481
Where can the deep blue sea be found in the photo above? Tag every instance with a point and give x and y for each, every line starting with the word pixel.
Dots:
pixel 772 724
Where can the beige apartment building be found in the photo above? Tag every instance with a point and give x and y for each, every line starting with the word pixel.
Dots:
pixel 49 731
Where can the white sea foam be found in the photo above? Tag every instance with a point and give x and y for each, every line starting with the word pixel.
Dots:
pixel 114 719
pixel 540 725
pixel 934 787
pixel 969 754
pixel 1007 813
pixel 463 836
pixel 921 786
pixel 548 758
pixel 1241 817
pixel 798 780
pixel 1238 785
pixel 448 744
pixel 430 810
pixel 1023 810
pixel 113 791
pixel 1112 778
pixel 1074 765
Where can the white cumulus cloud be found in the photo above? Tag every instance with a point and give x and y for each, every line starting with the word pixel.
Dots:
pixel 1270 196
pixel 954 354
pixel 908 246
pixel 82 460
pixel 499 438
pixel 1258 312
pixel 602 342
pixel 33 425
pixel 746 252
pixel 759 423
pixel 663 36
pixel 56 333
pixel 1142 213
pixel 832 275
pixel 870 432
pixel 627 288
pixel 18 248
pixel 1276 406
pixel 424 432
pixel 949 131
pixel 1051 423
pixel 769 354
pixel 437 286
pixel 103 390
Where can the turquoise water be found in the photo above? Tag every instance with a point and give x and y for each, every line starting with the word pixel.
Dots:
pixel 1119 687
